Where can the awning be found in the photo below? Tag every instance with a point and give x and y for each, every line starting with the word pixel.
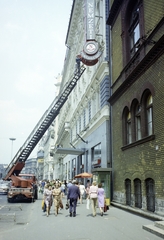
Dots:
pixel 70 151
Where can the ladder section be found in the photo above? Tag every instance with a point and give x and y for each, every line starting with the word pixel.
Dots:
pixel 48 117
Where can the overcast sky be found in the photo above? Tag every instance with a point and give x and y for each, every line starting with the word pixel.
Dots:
pixel 32 52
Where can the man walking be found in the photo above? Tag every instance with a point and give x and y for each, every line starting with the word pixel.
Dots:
pixel 73 195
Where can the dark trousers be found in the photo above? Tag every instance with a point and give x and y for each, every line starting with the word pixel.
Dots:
pixel 73 204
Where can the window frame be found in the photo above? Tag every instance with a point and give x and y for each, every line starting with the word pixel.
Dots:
pixel 142 112
pixel 127 26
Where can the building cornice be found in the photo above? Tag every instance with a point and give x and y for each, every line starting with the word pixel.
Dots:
pixel 115 8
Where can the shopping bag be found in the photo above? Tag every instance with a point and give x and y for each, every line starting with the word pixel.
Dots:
pixel 42 204
pixel 105 208
pixel 88 203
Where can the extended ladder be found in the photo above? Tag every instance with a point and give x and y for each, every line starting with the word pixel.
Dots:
pixel 23 153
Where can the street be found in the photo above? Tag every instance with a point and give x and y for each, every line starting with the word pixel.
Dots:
pixel 32 223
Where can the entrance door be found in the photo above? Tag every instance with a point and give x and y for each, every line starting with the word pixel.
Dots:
pixel 128 191
pixel 138 193
pixel 150 195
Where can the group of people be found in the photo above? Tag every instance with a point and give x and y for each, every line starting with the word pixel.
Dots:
pixel 52 194
pixel 74 191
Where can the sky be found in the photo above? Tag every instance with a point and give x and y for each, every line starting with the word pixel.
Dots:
pixel 32 52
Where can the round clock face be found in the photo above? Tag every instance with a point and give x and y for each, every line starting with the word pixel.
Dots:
pixel 91 48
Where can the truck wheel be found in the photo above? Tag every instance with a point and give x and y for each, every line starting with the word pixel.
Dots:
pixel 10 200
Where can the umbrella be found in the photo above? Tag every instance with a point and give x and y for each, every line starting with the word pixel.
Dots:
pixel 84 175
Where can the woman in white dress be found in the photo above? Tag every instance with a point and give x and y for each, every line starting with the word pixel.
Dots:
pixel 82 191
pixel 48 198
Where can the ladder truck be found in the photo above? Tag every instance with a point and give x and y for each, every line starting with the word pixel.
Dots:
pixel 25 186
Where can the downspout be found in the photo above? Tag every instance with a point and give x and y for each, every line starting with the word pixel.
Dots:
pixel 110 107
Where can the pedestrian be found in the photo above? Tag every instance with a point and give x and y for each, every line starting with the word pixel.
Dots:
pixel 57 197
pixel 73 195
pixel 88 183
pixel 65 192
pixel 82 191
pixel 47 198
pixel 93 191
pixel 63 189
pixel 101 198
pixel 69 184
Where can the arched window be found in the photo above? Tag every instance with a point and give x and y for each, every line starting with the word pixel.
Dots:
pixel 149 112
pixel 138 121
pixel 126 125
pixel 129 128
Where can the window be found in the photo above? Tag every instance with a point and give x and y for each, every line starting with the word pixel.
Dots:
pixel 89 109
pixel 96 156
pixel 76 128
pixel 125 125
pixel 129 128
pixel 84 118
pixel 138 122
pixel 79 124
pixel 149 115
pixel 73 167
pixel 134 30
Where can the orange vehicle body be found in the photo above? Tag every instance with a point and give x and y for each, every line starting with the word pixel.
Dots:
pixel 23 187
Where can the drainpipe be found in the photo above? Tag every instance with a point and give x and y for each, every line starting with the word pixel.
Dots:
pixel 110 109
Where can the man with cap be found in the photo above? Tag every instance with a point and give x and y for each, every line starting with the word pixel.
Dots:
pixel 73 195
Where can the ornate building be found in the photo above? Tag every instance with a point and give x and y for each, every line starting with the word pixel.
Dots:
pixel 83 122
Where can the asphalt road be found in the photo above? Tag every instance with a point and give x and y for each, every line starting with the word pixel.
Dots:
pixel 31 223
pixel 3 199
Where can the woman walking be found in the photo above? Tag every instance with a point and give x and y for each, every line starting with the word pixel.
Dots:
pixel 48 198
pixel 82 191
pixel 57 197
pixel 101 198
pixel 93 196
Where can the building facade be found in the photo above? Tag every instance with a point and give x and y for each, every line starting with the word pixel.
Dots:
pixel 30 166
pixel 83 141
pixel 137 76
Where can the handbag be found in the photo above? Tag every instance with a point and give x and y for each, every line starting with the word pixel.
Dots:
pixel 61 205
pixel 67 205
pixel 42 204
pixel 105 208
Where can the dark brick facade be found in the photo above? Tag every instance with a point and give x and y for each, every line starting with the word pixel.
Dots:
pixel 138 167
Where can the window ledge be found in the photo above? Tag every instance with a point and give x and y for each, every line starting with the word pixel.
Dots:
pixel 143 140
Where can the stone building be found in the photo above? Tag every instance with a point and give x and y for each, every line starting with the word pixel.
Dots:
pixel 137 83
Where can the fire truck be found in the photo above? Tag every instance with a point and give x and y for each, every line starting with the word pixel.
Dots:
pixel 24 186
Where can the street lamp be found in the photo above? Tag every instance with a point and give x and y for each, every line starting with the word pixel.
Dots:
pixel 12 139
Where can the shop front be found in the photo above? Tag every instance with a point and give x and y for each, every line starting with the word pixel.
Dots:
pixel 103 176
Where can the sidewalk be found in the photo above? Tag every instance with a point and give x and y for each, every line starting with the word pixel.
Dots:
pixel 116 224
